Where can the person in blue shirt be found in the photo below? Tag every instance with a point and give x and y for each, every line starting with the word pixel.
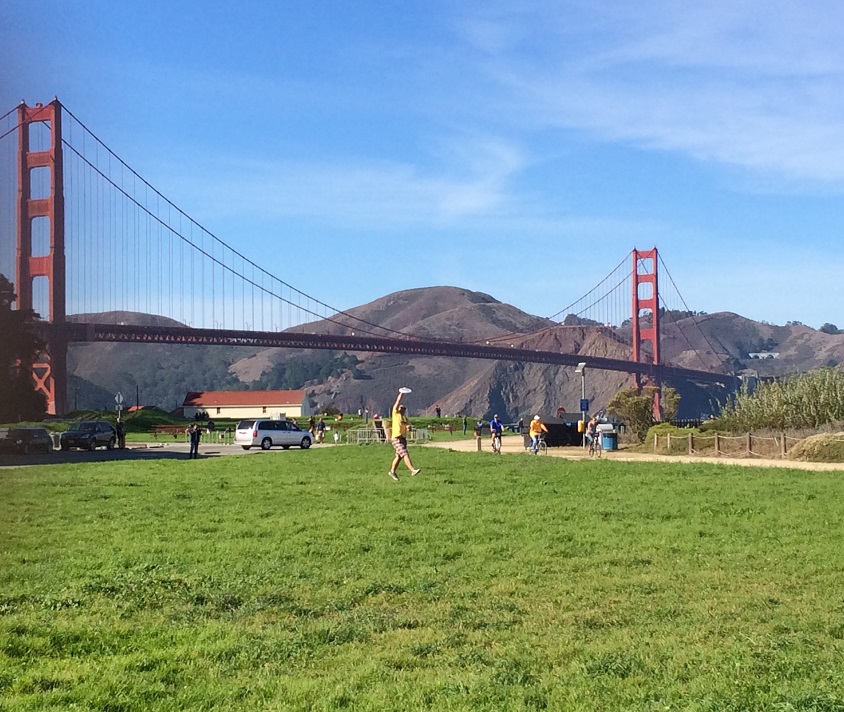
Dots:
pixel 496 427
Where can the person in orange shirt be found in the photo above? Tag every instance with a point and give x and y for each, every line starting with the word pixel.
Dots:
pixel 537 427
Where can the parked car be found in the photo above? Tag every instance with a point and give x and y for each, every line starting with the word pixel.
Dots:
pixel 266 433
pixel 26 440
pixel 89 434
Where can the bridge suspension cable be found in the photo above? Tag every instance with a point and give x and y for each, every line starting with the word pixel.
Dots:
pixel 676 316
pixel 234 278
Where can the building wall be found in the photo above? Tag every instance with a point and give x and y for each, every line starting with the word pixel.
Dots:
pixel 251 411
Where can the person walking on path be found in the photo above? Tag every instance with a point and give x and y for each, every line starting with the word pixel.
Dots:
pixel 320 430
pixel 591 431
pixel 193 434
pixel 400 427
pixel 465 424
pixel 536 429
pixel 121 434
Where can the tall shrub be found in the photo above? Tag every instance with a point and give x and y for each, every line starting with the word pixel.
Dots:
pixel 808 400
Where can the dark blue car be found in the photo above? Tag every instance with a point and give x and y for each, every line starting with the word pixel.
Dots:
pixel 89 435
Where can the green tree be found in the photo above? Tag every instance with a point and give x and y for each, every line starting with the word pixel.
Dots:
pixel 19 348
pixel 829 329
pixel 635 408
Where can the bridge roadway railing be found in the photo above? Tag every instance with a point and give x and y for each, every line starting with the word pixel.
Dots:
pixel 74 332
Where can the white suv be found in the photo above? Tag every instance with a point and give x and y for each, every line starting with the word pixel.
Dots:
pixel 266 433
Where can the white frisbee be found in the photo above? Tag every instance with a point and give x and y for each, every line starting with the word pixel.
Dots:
pixel 405 389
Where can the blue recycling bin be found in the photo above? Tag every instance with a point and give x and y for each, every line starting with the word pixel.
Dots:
pixel 609 440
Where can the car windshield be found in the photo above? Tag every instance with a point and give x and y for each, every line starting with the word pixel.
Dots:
pixel 87 427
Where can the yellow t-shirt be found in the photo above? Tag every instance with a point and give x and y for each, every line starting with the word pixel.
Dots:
pixel 399 424
pixel 536 427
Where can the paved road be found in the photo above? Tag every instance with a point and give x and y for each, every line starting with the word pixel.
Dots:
pixel 176 450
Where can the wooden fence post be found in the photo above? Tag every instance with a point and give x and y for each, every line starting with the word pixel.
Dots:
pixel 749 444
pixel 656 442
pixel 717 445
pixel 783 447
pixel 691 443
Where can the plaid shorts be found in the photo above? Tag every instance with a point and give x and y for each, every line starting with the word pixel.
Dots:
pixel 400 445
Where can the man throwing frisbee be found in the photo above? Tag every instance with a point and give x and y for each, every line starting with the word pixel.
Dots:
pixel 400 426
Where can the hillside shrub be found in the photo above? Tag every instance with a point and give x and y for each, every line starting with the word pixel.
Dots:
pixel 663 429
pixel 825 447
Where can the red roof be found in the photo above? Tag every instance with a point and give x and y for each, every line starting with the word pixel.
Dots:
pixel 215 399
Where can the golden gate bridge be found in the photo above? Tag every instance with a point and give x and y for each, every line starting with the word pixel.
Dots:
pixel 83 235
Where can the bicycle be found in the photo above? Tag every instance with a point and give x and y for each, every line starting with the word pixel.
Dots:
pixel 595 446
pixel 541 447
pixel 496 444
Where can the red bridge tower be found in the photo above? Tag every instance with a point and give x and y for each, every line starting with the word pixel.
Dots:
pixel 646 315
pixel 50 373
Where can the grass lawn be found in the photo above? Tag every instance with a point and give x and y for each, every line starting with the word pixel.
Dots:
pixel 308 580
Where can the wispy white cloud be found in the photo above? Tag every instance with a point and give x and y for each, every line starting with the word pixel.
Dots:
pixel 754 85
pixel 471 181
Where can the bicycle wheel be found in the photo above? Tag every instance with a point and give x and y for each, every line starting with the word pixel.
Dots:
pixel 542 449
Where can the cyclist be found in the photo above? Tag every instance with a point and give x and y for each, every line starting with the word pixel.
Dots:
pixel 496 427
pixel 537 427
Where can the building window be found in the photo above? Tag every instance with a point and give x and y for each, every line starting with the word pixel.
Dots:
pixel 218 411
pixel 264 409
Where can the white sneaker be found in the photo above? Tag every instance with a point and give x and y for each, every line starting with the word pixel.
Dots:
pixel 415 472
pixel 393 475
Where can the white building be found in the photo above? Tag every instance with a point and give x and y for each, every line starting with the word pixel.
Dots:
pixel 247 404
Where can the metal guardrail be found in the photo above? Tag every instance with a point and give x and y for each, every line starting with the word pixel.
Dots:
pixel 371 436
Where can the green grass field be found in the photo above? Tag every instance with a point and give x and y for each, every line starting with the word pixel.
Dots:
pixel 310 581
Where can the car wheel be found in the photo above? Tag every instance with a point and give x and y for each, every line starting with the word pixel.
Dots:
pixel 92 445
pixel 306 443
pixel 110 445
pixel 266 444
pixel 246 447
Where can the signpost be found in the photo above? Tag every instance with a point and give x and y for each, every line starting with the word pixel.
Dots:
pixel 119 400
pixel 584 401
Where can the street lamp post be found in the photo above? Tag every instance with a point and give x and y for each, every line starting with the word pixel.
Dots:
pixel 581 369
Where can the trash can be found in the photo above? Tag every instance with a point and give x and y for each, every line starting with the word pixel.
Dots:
pixel 609 440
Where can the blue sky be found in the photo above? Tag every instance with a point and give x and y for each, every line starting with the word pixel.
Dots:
pixel 519 149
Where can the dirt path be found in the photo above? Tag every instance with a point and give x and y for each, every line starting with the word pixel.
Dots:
pixel 513 446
